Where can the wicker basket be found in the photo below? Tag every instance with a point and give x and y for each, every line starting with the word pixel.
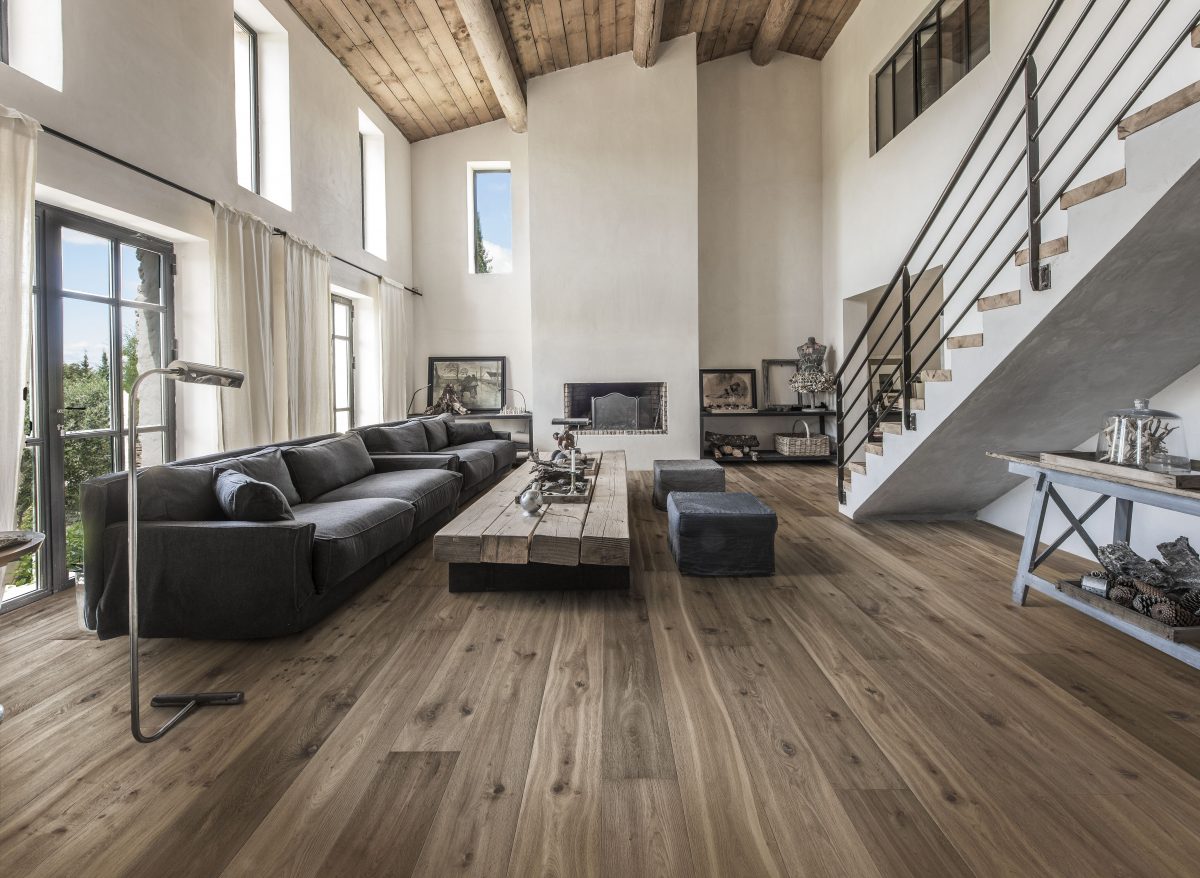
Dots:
pixel 802 445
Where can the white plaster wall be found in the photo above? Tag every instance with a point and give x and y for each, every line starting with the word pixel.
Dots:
pixel 152 82
pixel 613 206
pixel 461 313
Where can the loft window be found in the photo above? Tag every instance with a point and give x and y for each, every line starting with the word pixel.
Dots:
pixel 940 51
pixel 3 31
pixel 490 218
pixel 372 165
pixel 245 63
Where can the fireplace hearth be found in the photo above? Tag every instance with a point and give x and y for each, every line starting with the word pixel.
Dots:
pixel 617 408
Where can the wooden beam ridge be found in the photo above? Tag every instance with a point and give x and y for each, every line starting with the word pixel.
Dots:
pixel 480 19
pixel 647 30
pixel 770 32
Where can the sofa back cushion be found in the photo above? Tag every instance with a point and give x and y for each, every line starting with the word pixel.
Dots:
pixel 245 499
pixel 323 466
pixel 406 438
pixel 177 493
pixel 461 432
pixel 263 466
pixel 435 432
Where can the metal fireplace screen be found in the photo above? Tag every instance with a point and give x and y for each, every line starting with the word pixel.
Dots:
pixel 614 411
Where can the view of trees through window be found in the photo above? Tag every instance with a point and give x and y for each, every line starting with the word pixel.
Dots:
pixel 491 200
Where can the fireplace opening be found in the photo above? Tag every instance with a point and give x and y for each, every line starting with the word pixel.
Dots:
pixel 617 407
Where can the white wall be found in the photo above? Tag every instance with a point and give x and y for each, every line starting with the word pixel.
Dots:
pixel 152 82
pixel 461 313
pixel 613 205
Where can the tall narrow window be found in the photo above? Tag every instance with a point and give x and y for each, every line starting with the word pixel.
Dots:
pixel 490 218
pixel 939 52
pixel 245 63
pixel 343 363
pixel 372 165
pixel 3 31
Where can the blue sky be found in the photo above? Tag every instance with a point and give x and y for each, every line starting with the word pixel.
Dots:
pixel 493 200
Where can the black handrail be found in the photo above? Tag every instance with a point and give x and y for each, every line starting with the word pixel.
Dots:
pixel 853 394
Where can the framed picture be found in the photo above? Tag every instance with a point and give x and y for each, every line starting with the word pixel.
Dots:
pixel 480 382
pixel 728 388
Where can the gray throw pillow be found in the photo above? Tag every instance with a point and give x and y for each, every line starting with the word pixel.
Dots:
pixel 245 499
pixel 406 438
pixel 435 432
pixel 461 432
pixel 263 466
pixel 320 467
pixel 177 493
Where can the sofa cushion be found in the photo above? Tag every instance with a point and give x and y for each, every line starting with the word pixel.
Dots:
pixel 407 438
pixel 323 466
pixel 430 490
pixel 475 464
pixel 435 432
pixel 460 432
pixel 503 451
pixel 352 533
pixel 245 499
pixel 177 493
pixel 263 466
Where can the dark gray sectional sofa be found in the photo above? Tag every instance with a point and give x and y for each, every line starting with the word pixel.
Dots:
pixel 203 575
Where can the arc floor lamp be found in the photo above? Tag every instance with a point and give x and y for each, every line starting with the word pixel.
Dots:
pixel 187 373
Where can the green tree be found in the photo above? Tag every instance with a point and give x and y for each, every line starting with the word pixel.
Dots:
pixel 483 262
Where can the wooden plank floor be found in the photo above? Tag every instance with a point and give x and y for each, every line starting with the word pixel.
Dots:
pixel 877 709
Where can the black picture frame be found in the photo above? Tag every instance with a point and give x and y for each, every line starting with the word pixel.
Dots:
pixel 475 368
pixel 746 376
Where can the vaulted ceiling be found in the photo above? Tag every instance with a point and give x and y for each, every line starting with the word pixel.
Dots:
pixel 426 69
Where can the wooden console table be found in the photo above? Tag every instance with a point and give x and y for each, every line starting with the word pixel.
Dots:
pixel 1125 493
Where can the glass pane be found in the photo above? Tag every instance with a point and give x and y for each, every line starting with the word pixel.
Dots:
pixel 83 459
pixel 341 373
pixel 341 319
pixel 341 421
pixel 493 222
pixel 141 275
pixel 244 75
pixel 930 86
pixel 87 353
pixel 905 87
pixel 981 30
pixel 21 577
pixel 954 42
pixel 883 107
pixel 151 448
pixel 142 349
pixel 86 263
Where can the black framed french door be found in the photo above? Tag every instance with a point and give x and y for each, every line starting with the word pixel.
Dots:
pixel 102 312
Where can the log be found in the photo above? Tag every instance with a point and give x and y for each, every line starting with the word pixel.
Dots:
pixel 484 29
pixel 770 33
pixel 647 30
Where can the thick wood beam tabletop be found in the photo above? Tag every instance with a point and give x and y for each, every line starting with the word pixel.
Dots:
pixel 770 32
pixel 480 18
pixel 647 30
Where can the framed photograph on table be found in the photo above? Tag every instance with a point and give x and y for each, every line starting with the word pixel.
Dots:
pixel 480 382
pixel 728 389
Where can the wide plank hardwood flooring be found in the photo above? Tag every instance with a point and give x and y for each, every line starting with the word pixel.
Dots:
pixel 877 709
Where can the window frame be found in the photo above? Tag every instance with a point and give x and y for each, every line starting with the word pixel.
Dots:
pixel 255 115
pixel 474 169
pixel 335 301
pixel 362 186
pixel 3 31
pixel 912 43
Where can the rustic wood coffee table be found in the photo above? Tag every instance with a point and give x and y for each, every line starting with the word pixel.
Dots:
pixel 493 546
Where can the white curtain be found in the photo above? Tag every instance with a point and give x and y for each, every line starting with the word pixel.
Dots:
pixel 395 342
pixel 245 326
pixel 304 401
pixel 18 161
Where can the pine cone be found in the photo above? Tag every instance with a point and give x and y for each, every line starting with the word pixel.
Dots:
pixel 1142 603
pixel 1170 613
pixel 1189 600
pixel 1149 590
pixel 1123 595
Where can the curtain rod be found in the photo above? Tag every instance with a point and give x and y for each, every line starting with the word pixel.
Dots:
pixel 211 202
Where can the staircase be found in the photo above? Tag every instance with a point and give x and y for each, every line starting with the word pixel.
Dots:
pixel 1035 348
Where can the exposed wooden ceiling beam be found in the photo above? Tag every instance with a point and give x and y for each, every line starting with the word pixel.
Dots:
pixel 647 30
pixel 770 33
pixel 480 19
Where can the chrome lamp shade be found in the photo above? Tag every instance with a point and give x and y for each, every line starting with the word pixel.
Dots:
pixel 200 373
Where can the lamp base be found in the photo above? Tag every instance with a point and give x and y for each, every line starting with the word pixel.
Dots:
pixel 200 699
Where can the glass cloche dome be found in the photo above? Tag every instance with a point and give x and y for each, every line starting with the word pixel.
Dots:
pixel 1145 438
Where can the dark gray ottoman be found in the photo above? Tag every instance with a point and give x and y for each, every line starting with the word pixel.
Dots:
pixel 686 475
pixel 721 534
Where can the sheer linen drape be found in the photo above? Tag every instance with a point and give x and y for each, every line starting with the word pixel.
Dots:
pixel 395 343
pixel 306 339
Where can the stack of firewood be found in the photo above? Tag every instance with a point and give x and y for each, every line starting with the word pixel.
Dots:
pixel 1166 590
pixel 731 444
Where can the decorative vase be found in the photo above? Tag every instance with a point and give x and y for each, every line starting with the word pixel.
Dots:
pixel 1145 438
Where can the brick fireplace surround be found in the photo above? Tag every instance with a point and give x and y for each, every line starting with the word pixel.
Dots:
pixel 652 396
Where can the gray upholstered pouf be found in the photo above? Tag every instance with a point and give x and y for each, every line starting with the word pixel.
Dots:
pixel 686 475
pixel 721 534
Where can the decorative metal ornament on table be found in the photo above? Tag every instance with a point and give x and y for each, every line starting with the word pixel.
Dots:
pixel 448 403
pixel 530 500
pixel 1145 438
pixel 562 479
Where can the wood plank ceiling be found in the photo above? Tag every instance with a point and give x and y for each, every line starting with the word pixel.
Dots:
pixel 417 59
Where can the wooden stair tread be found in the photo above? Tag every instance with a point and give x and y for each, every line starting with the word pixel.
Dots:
pixel 917 405
pixel 893 427
pixel 937 375
pixel 999 300
pixel 874 448
pixel 1053 247
pixel 1094 189
pixel 857 466
pixel 956 342
pixel 1160 110
pixel 1196 38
